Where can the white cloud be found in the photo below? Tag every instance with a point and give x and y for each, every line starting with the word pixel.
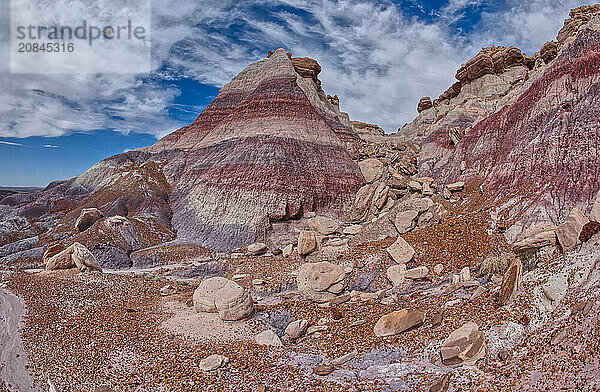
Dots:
pixel 50 146
pixel 375 58
pixel 10 143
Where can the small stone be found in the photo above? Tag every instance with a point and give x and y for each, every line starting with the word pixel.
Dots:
pixel 395 274
pixel 268 338
pixel 345 358
pixel 307 242
pixel 465 346
pixel 323 370
pixel 438 317
pixel 257 282
pixel 239 276
pixel 213 362
pixel 438 269
pixel 316 328
pixel 296 329
pixel 167 290
pixel 257 248
pixel 479 291
pixel 456 186
pixel 510 282
pixel 465 274
pixel 549 293
pixel 287 250
pixel 414 186
pixel 442 384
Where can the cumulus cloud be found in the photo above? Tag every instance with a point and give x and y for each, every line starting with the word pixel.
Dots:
pixel 375 57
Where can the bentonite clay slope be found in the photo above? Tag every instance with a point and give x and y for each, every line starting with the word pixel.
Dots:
pixel 268 148
pixel 543 150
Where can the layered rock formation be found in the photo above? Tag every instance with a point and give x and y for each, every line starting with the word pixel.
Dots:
pixel 536 143
pixel 269 148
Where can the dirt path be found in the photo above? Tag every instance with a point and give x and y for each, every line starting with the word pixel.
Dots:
pixel 13 373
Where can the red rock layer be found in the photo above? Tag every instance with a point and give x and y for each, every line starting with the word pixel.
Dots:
pixel 546 144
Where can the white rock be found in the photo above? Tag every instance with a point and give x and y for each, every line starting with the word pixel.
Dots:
pixel 257 248
pixel 401 251
pixel 352 229
pixel 395 274
pixel 268 338
pixel 296 329
pixel 417 273
pixel 213 362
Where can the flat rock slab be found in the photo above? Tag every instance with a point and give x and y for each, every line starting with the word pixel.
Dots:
pixel 398 322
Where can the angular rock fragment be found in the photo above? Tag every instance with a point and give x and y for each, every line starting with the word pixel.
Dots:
pixel 323 225
pixel 395 274
pixel 296 329
pixel 75 256
pixel 400 251
pixel 464 346
pixel 510 282
pixel 398 322
pixel 213 362
pixel 268 338
pixel 371 169
pixel 568 232
pixel 416 273
pixel 307 242
pixel 405 220
pixel 258 248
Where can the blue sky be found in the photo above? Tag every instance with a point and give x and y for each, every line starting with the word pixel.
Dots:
pixel 379 57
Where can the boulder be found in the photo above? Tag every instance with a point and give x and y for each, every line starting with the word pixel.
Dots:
pixel 323 225
pixel 535 238
pixel 223 296
pixel 380 196
pixel 398 322
pixel 322 281
pixel 87 218
pixel 258 248
pixel 424 104
pixel 307 242
pixel 417 273
pixel 568 232
pixel 323 370
pixel 371 169
pixel 464 346
pixel 405 220
pixel 213 362
pixel 75 256
pixel 268 338
pixel 595 213
pixel 395 274
pixel 296 329
pixel 510 282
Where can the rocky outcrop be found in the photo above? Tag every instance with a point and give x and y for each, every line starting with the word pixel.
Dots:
pixel 223 296
pixel 549 51
pixel 424 104
pixel 577 18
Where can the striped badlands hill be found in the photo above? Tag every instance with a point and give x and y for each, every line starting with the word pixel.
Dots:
pixel 268 149
pixel 539 154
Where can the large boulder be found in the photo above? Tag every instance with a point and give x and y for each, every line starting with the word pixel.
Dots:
pixel 401 251
pixel 307 242
pixel 399 321
pixel 323 225
pixel 52 250
pixel 322 281
pixel 464 346
pixel 87 218
pixel 75 256
pixel 568 232
pixel 371 169
pixel 224 296
pixel 510 282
